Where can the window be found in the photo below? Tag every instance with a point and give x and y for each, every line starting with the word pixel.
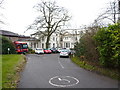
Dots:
pixel 61 39
pixel 42 38
pixel 31 45
pixel 53 44
pixel 72 43
pixel 76 38
pixel 18 47
pixel 56 39
pixel 49 45
pixel 53 38
pixel 42 45
pixel 34 45
pixel 66 38
pixel 25 46
pixel 75 32
pixel 67 45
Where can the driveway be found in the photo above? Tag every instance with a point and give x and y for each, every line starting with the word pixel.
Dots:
pixel 50 71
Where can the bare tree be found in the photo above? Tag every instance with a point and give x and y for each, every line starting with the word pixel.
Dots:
pixel 1 1
pixel 110 14
pixel 51 19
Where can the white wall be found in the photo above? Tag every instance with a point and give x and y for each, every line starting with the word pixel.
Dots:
pixel 67 38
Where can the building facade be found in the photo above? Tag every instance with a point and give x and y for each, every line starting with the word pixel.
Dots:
pixel 16 37
pixel 66 39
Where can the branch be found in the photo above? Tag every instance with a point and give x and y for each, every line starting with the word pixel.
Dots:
pixel 44 33
pixel 51 17
pixel 2 22
pixel 1 2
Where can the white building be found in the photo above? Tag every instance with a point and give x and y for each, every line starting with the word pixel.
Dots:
pixel 66 39
pixel 70 37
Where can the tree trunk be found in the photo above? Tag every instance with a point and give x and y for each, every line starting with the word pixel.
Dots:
pixel 47 42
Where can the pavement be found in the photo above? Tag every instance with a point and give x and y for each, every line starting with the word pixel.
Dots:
pixel 51 71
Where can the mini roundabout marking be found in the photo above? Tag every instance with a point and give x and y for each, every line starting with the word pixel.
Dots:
pixel 63 81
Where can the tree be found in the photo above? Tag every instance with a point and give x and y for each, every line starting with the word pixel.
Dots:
pixel 108 45
pixel 5 45
pixel 1 1
pixel 51 19
pixel 86 48
pixel 110 14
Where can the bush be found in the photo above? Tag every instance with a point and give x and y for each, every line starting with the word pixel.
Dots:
pixel 86 46
pixel 80 48
pixel 5 45
pixel 108 41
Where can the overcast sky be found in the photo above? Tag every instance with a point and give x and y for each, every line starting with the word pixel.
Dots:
pixel 20 13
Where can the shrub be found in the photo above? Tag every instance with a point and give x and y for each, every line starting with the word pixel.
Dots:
pixel 86 46
pixel 5 45
pixel 108 41
pixel 79 48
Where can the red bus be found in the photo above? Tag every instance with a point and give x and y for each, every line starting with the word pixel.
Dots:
pixel 21 47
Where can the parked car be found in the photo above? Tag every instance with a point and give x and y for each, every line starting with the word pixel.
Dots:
pixel 59 50
pixel 69 51
pixel 39 51
pixel 54 50
pixel 64 53
pixel 47 51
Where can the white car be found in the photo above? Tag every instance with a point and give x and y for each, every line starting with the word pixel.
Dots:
pixel 59 50
pixel 39 51
pixel 64 53
pixel 69 51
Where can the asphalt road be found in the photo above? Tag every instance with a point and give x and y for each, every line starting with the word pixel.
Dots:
pixel 50 71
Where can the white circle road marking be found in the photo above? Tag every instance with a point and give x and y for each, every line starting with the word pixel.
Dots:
pixel 63 80
pixel 60 79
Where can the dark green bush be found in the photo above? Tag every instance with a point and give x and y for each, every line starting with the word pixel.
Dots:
pixel 5 44
pixel 108 41
pixel 80 48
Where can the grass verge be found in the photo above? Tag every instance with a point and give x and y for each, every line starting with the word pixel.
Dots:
pixel 112 73
pixel 12 65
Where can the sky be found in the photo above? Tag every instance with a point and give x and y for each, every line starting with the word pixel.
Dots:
pixel 20 13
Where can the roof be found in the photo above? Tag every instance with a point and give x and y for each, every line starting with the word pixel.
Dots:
pixel 28 39
pixel 8 33
pixel 12 34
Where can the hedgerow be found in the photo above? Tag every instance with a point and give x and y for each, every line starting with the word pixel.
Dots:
pixel 108 41
pixel 5 44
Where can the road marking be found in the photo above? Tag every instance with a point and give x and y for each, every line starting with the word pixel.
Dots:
pixel 60 63
pixel 51 81
pixel 63 80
